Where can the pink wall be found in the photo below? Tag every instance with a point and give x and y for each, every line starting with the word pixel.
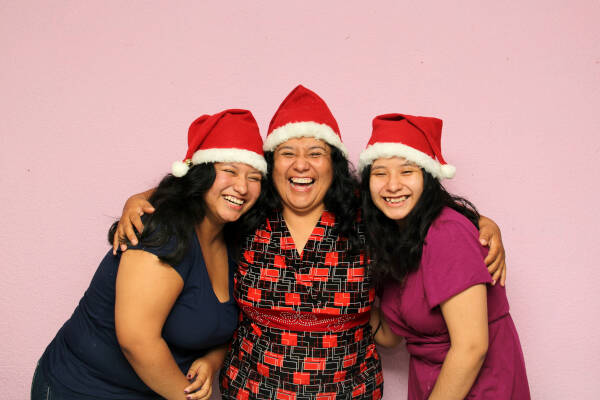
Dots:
pixel 97 96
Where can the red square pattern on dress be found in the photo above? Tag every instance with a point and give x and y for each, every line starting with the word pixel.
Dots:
pixel 303 279
pixel 279 261
pixel 287 243
pixel 370 351
pixel 326 396
pixel 247 345
pixel 339 376
pixel 327 219
pixel 254 294
pixel 292 299
pixel 359 390
pixel 363 367
pixel 331 258
pixel 358 335
pixel 242 395
pixel 319 274
pixel 289 339
pixel 302 378
pixel 326 310
pixel 273 359
pixel 249 256
pixel 269 274
pixel 356 274
pixel 252 385
pixel 330 341
pixel 379 378
pixel 232 372
pixel 262 369
pixel 377 394
pixel 341 299
pixel 314 364
pixel 317 234
pixel 349 360
pixel 256 329
pixel 261 236
pixel 285 395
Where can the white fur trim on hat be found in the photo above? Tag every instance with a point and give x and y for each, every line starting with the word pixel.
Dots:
pixel 304 129
pixel 388 150
pixel 231 155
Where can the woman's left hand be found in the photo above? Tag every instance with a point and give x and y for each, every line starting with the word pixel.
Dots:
pixel 489 235
pixel 201 373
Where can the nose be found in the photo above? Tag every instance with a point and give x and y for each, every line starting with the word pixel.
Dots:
pixel 241 184
pixel 301 163
pixel 394 183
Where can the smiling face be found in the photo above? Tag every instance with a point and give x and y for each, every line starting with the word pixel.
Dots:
pixel 234 191
pixel 302 174
pixel 396 186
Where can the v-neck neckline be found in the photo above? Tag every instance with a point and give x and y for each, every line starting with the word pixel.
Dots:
pixel 288 233
pixel 229 275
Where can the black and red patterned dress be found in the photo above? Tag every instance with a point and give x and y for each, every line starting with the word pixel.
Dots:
pixel 303 331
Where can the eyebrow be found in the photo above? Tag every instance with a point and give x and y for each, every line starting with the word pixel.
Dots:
pixel 317 146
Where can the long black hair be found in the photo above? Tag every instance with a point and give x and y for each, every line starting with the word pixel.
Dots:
pixel 342 198
pixel 180 206
pixel 395 248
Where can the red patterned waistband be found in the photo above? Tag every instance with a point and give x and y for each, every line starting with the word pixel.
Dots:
pixel 305 321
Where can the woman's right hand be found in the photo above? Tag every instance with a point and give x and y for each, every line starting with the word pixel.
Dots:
pixel 134 208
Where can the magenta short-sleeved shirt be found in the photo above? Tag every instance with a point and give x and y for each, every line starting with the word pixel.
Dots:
pixel 452 261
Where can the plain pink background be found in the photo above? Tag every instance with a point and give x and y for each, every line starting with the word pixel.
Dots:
pixel 97 97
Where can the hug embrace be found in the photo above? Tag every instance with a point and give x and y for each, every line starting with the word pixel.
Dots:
pixel 263 261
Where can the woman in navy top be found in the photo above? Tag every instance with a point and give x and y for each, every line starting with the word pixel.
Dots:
pixel 151 311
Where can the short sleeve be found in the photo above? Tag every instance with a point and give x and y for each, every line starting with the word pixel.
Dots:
pixel 452 258
pixel 182 267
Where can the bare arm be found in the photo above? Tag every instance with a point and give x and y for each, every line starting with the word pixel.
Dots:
pixel 134 208
pixel 489 235
pixel 383 334
pixel 146 290
pixel 466 317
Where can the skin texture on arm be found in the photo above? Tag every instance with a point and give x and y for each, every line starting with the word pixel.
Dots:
pixel 465 315
pixel 146 290
pixel 489 235
pixel 384 335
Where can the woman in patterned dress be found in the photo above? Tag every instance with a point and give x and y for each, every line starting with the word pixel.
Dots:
pixel 303 283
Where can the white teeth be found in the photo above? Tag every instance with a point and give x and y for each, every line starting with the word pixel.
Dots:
pixel 234 200
pixel 301 180
pixel 395 199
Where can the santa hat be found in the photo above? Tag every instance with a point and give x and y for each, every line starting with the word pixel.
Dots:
pixel 417 139
pixel 229 136
pixel 303 114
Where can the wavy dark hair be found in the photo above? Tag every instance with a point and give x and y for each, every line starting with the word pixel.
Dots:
pixel 342 198
pixel 179 204
pixel 395 248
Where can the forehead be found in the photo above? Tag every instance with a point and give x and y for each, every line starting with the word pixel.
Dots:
pixel 303 143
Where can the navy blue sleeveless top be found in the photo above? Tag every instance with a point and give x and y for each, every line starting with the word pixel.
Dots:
pixel 84 361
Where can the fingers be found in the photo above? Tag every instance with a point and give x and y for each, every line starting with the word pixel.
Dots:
pixel 201 387
pixel 503 276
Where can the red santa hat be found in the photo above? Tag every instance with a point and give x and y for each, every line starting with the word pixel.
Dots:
pixel 303 114
pixel 417 139
pixel 229 136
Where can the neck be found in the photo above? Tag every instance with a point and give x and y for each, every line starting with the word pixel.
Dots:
pixel 209 231
pixel 299 220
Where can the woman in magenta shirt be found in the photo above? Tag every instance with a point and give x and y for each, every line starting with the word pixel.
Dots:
pixel 437 292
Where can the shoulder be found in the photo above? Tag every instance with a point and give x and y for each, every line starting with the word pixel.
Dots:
pixel 451 226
